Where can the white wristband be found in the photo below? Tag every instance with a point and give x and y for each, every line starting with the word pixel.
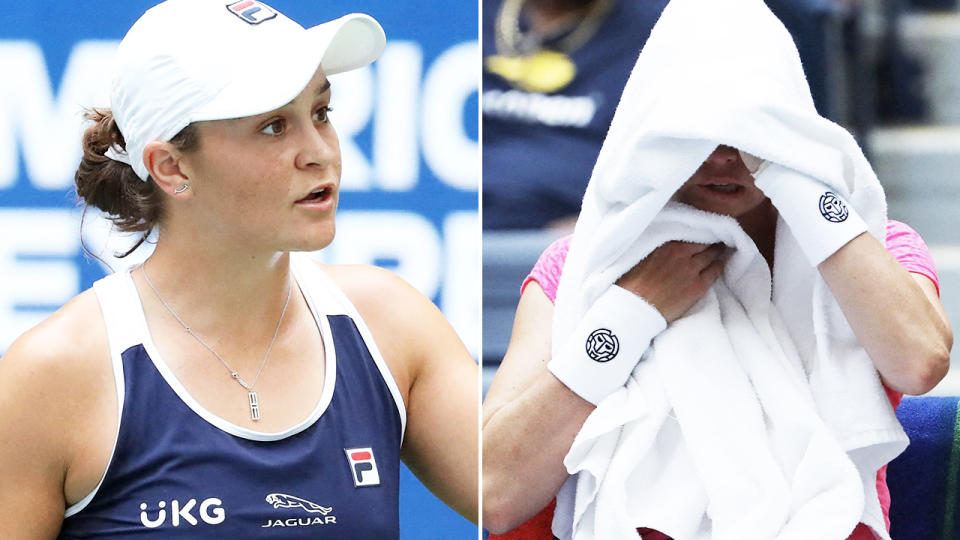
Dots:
pixel 608 342
pixel 819 218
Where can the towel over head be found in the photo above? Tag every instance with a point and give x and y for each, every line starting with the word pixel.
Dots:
pixel 757 415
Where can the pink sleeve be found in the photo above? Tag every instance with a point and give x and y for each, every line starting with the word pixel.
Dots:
pixel 549 267
pixel 912 253
pixel 909 249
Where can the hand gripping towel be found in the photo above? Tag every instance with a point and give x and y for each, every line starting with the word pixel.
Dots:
pixel 757 415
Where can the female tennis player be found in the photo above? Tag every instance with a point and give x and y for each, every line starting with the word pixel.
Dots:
pixel 713 77
pixel 531 418
pixel 230 387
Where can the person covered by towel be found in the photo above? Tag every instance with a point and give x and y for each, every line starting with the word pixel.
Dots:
pixel 716 122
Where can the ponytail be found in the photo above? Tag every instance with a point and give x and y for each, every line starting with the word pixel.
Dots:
pixel 130 203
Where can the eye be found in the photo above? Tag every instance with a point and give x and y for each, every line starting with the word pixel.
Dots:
pixel 321 114
pixel 274 128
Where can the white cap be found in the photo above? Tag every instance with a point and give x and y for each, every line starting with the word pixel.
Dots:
pixel 185 61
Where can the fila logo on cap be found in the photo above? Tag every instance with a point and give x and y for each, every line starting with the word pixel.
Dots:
pixel 363 467
pixel 251 11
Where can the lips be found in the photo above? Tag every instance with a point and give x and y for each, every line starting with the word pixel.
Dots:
pixel 316 195
pixel 321 198
pixel 318 192
pixel 722 185
pixel 724 188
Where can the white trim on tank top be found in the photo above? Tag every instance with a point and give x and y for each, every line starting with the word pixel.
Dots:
pixel 119 328
pixel 303 266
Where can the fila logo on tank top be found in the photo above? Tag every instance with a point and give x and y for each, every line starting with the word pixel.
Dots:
pixel 179 471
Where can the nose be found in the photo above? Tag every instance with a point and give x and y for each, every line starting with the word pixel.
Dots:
pixel 318 146
pixel 723 155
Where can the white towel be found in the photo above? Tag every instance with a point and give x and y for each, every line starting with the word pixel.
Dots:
pixel 749 418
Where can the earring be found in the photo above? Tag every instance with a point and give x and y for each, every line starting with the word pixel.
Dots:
pixel 182 188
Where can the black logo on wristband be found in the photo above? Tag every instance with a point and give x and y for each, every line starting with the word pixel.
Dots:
pixel 832 208
pixel 602 345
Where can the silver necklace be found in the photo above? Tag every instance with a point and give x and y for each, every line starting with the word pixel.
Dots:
pixel 251 393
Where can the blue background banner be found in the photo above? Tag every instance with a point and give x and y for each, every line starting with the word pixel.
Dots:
pixel 408 132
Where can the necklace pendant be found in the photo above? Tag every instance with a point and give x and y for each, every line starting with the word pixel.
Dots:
pixel 254 406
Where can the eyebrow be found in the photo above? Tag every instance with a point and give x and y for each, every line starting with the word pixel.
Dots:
pixel 323 87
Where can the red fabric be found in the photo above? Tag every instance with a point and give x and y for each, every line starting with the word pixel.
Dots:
pixel 538 528
pixel 906 246
pixel 535 528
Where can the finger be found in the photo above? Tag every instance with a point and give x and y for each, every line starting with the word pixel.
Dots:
pixel 715 245
pixel 675 247
pixel 707 255
pixel 713 271
pixel 697 247
pixel 677 250
pixel 664 254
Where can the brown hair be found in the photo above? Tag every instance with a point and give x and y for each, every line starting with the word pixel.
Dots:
pixel 113 187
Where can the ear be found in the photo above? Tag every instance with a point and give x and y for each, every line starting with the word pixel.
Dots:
pixel 163 163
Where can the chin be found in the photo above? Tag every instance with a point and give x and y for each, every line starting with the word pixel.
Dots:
pixel 733 208
pixel 316 243
pixel 715 208
pixel 309 240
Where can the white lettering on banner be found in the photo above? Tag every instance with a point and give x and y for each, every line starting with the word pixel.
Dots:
pixel 451 154
pixel 364 237
pixel 48 128
pixel 460 299
pixel 557 111
pixel 400 103
pixel 413 242
pixel 395 152
pixel 47 283
pixel 352 102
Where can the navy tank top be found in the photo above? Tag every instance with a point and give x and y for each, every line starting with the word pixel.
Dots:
pixel 178 471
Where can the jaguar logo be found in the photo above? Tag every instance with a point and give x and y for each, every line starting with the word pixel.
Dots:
pixel 282 500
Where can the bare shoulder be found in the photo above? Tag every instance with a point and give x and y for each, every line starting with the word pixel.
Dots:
pixel 406 325
pixel 52 384
pixel 59 366
pixel 393 309
pixel 66 347
pixel 371 289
